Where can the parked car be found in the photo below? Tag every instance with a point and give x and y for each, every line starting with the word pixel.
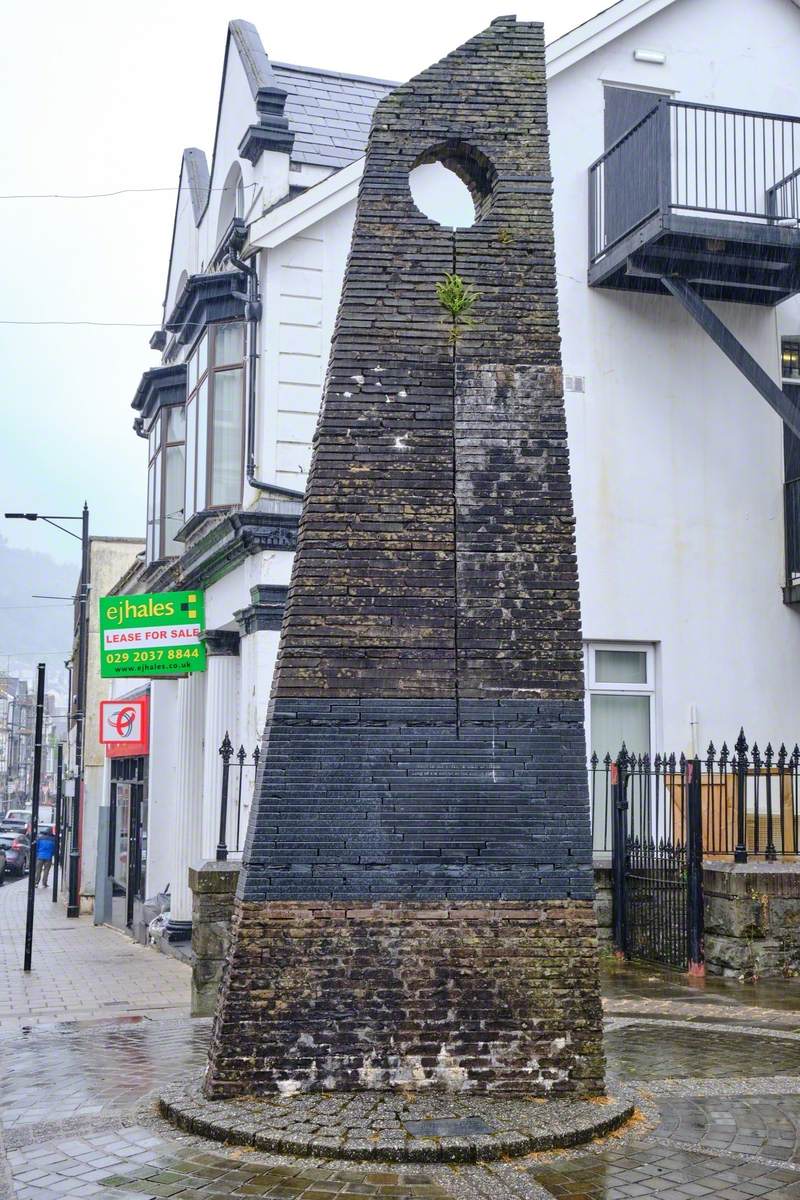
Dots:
pixel 16 818
pixel 16 847
pixel 21 818
pixel 3 863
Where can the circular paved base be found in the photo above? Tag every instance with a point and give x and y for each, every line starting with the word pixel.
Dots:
pixel 389 1128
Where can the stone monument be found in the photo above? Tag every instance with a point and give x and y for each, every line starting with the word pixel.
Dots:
pixel 415 904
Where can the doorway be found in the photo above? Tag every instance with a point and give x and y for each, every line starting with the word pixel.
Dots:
pixel 127 843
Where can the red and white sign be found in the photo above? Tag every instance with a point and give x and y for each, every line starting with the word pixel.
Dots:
pixel 124 727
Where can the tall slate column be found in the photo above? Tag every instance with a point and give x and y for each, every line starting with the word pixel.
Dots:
pixel 415 908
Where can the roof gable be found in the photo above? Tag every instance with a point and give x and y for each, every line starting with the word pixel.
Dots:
pixel 602 28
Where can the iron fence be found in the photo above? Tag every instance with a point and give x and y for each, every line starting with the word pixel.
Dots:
pixel 696 158
pixel 238 780
pixel 749 800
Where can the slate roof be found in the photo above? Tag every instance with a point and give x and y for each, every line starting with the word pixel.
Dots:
pixel 329 113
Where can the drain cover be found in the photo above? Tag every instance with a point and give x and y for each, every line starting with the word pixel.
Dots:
pixel 448 1127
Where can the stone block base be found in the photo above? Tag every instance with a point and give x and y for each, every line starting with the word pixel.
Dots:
pixel 495 997
pixel 213 887
pixel 604 904
pixel 752 919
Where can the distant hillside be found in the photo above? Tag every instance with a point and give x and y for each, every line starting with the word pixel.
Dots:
pixel 33 631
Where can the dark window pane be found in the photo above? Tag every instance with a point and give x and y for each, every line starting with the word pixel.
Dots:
pixel 790 358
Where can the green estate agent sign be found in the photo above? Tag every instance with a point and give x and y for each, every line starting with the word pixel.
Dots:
pixel 155 634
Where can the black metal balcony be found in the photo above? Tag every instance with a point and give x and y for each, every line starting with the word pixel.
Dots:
pixel 705 194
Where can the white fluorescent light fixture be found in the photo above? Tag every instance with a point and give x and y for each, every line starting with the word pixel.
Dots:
pixel 650 56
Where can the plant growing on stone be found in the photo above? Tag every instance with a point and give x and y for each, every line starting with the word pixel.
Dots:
pixel 458 299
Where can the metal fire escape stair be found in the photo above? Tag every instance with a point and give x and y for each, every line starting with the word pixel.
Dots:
pixel 729 344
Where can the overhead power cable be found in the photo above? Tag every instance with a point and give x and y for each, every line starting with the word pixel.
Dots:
pixel 98 195
pixel 106 324
pixel 111 324
pixel 30 607
pixel 27 653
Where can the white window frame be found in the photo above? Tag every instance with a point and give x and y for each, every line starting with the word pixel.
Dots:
pixel 620 689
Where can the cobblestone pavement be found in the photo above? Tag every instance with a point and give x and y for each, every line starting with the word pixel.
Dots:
pixel 715 1070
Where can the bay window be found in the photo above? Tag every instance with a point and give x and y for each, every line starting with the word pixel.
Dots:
pixel 165 481
pixel 215 419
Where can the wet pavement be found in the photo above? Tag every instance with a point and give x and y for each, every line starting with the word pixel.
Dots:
pixel 714 1069
pixel 79 971
pixel 667 1051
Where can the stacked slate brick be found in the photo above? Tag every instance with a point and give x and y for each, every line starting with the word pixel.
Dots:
pixel 415 905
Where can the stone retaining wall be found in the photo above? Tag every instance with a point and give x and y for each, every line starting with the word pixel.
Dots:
pixel 213 887
pixel 752 919
pixel 603 904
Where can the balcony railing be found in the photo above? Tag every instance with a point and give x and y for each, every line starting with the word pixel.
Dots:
pixel 697 159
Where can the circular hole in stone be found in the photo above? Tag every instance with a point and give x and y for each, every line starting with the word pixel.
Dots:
pixel 442 196
pixel 452 184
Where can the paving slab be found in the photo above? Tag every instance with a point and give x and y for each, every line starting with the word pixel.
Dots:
pixel 80 971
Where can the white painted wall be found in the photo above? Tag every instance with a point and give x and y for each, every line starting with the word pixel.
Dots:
pixel 676 461
pixel 300 280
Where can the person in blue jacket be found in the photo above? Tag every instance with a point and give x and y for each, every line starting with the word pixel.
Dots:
pixel 45 849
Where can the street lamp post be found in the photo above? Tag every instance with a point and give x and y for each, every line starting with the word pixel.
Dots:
pixel 59 854
pixel 73 901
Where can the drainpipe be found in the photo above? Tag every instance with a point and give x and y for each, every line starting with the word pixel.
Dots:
pixel 252 314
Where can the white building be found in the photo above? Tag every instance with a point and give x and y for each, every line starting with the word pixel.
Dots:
pixel 677 458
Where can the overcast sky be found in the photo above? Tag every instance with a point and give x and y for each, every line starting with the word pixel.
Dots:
pixel 97 97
